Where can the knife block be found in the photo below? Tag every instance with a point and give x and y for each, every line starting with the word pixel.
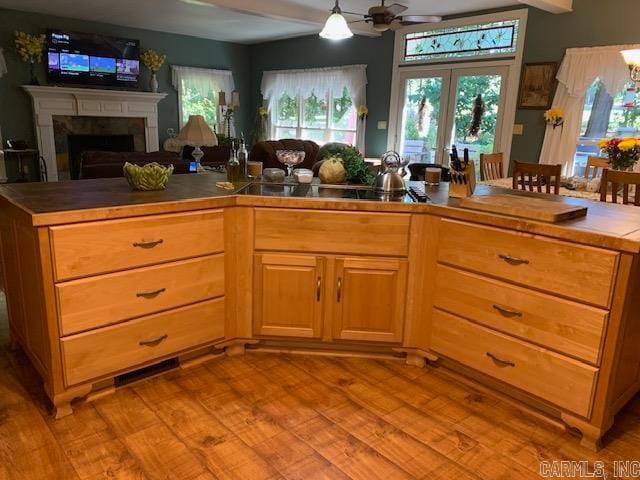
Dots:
pixel 463 184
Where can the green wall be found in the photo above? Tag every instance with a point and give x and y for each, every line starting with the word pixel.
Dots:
pixel 313 51
pixel 16 119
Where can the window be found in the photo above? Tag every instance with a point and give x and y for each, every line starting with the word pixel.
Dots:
pixel 462 42
pixel 198 90
pixel 605 116
pixel 317 104
pixel 329 118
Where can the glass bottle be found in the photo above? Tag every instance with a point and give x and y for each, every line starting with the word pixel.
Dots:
pixel 233 166
pixel 243 156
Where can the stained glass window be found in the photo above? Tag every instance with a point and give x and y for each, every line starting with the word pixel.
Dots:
pixel 459 42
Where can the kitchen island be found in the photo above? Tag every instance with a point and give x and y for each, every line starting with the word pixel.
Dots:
pixel 103 283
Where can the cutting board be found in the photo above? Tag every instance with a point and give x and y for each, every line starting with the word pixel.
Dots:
pixel 525 207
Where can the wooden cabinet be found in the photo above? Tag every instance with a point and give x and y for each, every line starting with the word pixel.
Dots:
pixel 369 303
pixel 360 298
pixel 288 295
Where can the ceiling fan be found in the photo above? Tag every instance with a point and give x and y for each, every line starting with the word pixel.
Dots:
pixel 384 17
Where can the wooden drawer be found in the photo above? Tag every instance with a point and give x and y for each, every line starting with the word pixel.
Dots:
pixel 560 380
pixel 112 350
pixel 332 232
pixel 573 271
pixel 100 247
pixel 98 301
pixel 562 325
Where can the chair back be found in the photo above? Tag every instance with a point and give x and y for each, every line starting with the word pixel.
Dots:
pixel 491 166
pixel 595 163
pixel 619 180
pixel 533 176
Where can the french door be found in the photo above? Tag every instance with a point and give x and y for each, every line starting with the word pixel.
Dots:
pixel 439 108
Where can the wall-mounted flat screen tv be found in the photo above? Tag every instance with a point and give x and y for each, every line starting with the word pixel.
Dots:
pixel 91 59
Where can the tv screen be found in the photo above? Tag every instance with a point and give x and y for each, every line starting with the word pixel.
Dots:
pixel 90 59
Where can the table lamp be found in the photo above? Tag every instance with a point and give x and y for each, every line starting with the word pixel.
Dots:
pixel 197 133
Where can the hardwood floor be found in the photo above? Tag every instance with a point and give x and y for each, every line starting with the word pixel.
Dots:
pixel 267 416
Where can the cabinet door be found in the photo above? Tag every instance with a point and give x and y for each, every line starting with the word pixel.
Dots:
pixel 288 295
pixel 369 299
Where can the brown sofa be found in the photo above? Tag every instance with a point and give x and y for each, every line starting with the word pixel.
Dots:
pixel 109 164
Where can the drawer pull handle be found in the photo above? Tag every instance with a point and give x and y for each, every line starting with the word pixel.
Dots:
pixel 318 288
pixel 147 245
pixel 499 362
pixel 339 290
pixel 513 260
pixel 150 295
pixel 153 342
pixel 507 312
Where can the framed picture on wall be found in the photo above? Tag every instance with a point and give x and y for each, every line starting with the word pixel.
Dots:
pixel 537 85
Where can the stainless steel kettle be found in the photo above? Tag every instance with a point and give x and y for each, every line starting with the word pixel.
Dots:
pixel 389 181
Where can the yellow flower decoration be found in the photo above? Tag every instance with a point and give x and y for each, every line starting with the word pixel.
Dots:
pixel 263 111
pixel 554 115
pixel 628 144
pixel 29 47
pixel 363 112
pixel 152 60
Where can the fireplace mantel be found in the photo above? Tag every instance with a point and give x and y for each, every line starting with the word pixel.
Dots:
pixel 50 101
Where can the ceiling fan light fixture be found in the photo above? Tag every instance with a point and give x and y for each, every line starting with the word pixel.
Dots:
pixel 336 27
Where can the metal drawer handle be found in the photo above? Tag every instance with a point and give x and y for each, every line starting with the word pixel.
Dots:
pixel 339 291
pixel 499 362
pixel 147 245
pixel 153 342
pixel 513 260
pixel 318 288
pixel 507 312
pixel 152 294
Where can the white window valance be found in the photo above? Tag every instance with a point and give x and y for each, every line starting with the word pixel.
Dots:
pixel 318 80
pixel 203 80
pixel 579 69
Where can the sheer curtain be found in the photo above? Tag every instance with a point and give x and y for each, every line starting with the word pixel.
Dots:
pixel 579 69
pixel 207 82
pixel 318 80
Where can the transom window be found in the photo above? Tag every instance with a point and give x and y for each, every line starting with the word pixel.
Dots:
pixel 322 118
pixel 461 42
pixel 606 116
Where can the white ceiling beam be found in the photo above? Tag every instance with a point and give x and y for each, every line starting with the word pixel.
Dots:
pixel 285 11
pixel 553 6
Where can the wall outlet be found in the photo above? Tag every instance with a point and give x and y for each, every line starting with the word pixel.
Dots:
pixel 518 129
pixel 382 125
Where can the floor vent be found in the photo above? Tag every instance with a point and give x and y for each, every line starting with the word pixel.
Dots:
pixel 142 373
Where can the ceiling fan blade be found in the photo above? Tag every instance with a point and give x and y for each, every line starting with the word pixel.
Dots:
pixel 357 21
pixel 396 9
pixel 395 25
pixel 420 19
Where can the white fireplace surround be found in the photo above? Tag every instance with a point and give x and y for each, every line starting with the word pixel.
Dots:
pixel 50 101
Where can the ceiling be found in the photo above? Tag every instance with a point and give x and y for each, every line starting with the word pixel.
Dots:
pixel 243 21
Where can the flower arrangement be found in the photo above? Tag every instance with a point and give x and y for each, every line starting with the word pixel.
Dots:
pixel 623 153
pixel 363 112
pixel 263 112
pixel 152 60
pixel 29 47
pixel 554 117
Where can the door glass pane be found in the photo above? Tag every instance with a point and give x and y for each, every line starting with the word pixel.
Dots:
pixel 342 136
pixel 285 133
pixel 317 136
pixel 476 114
pixel 315 112
pixel 420 119
pixel 287 111
pixel 345 115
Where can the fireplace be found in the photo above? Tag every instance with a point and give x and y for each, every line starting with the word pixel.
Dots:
pixel 104 143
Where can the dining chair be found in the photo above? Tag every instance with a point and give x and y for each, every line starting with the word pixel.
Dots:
pixel 526 176
pixel 595 163
pixel 491 166
pixel 617 180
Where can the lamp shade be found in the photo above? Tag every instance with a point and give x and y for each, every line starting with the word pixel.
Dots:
pixel 336 28
pixel 197 133
pixel 632 57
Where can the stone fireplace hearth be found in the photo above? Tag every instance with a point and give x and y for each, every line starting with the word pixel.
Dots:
pixel 91 111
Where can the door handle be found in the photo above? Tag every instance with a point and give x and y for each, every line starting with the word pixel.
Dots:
pixel 513 260
pixel 153 342
pixel 339 290
pixel 152 294
pixel 318 288
pixel 507 312
pixel 149 244
pixel 500 363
